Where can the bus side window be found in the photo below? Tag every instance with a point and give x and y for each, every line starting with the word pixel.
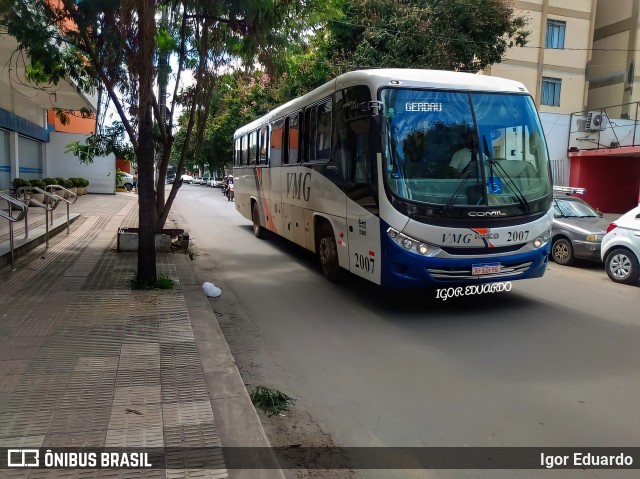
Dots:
pixel 310 128
pixel 245 150
pixel 294 138
pixel 237 154
pixel 277 150
pixel 323 132
pixel 253 147
pixel 263 151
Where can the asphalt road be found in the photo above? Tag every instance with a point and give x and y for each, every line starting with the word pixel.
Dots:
pixel 553 362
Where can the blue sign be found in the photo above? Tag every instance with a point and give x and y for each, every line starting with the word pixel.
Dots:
pixel 494 185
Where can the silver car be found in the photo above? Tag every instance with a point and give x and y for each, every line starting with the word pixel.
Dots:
pixel 577 230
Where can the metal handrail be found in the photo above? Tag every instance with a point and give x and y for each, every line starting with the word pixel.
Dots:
pixel 49 206
pixel 12 219
pixel 69 202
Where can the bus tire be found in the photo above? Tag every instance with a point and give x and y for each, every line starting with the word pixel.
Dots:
pixel 258 230
pixel 328 253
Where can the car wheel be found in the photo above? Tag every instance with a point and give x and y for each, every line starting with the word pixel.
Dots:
pixel 255 216
pixel 328 253
pixel 621 266
pixel 562 252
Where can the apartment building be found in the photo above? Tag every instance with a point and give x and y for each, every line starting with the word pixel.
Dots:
pixel 32 139
pixel 579 66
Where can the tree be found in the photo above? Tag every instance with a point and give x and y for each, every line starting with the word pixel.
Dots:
pixel 116 45
pixel 462 35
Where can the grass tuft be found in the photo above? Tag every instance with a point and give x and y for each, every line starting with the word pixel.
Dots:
pixel 271 401
pixel 192 251
pixel 162 282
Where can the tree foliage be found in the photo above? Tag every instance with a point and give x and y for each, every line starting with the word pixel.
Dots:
pixel 462 35
pixel 123 48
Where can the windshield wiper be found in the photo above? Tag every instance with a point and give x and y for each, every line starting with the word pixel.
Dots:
pixel 456 193
pixel 514 188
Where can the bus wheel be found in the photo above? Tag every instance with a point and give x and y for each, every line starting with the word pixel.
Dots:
pixel 328 253
pixel 255 216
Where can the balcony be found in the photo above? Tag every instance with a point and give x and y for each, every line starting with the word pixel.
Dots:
pixel 610 131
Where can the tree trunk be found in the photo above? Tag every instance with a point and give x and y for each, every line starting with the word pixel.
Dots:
pixel 146 204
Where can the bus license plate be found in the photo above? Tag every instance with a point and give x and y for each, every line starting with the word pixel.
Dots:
pixel 489 268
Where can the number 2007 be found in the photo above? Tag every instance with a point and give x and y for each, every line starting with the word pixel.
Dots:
pixel 365 263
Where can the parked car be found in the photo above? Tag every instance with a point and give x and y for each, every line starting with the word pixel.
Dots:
pixel 187 179
pixel 171 176
pixel 217 182
pixel 621 248
pixel 205 181
pixel 197 180
pixel 126 181
pixel 577 230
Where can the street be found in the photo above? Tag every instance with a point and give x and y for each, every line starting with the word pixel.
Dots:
pixel 553 362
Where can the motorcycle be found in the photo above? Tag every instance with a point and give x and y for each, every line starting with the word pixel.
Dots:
pixel 229 194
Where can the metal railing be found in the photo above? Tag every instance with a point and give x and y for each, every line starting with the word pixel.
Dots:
pixel 605 128
pixel 70 199
pixel 22 213
pixel 51 201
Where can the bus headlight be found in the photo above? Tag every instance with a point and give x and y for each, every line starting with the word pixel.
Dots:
pixel 411 244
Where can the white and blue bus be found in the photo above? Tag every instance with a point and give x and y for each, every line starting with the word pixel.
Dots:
pixel 408 178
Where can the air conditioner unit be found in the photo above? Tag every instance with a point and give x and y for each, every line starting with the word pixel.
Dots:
pixel 595 121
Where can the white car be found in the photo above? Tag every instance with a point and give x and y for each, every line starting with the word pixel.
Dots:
pixel 621 248
pixel 187 179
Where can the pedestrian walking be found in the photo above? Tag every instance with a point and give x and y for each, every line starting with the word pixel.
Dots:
pixel 135 182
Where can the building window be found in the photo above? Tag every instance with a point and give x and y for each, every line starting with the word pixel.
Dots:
pixel 551 91
pixel 555 34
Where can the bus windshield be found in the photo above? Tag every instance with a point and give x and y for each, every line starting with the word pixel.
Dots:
pixel 453 148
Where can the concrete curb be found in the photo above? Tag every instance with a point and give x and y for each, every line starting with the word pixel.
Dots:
pixel 237 422
pixel 36 237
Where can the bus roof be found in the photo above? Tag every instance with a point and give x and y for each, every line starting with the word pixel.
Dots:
pixel 393 77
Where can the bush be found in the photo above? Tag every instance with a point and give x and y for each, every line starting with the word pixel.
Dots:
pixel 85 182
pixel 20 182
pixel 38 184
pixel 77 182
pixel 50 181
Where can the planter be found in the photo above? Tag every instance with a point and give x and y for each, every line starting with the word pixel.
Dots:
pixel 73 190
pixel 128 239
pixel 38 197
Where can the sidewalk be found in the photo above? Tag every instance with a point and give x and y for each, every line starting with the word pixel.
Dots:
pixel 87 362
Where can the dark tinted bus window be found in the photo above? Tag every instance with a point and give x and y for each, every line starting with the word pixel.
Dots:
pixel 277 143
pixel 253 147
pixel 294 138
pixel 263 159
pixel 322 140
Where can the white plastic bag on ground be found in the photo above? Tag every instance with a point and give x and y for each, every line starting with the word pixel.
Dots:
pixel 211 290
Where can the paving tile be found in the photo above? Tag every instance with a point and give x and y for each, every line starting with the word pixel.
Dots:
pixel 93 363
pixel 135 415
pixel 135 437
pixel 187 413
pixel 197 473
pixel 22 441
pixel 76 439
pixel 137 377
pixel 125 396
pixel 11 373
pixel 193 435
pixel 67 420
pixel 18 424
